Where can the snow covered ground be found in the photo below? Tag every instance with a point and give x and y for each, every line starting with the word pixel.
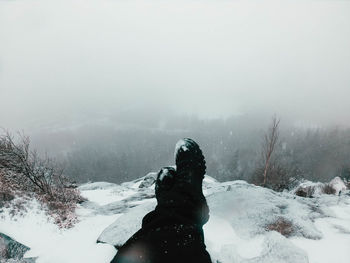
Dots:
pixel 51 244
pixel 242 215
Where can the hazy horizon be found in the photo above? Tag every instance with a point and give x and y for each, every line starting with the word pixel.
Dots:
pixel 62 60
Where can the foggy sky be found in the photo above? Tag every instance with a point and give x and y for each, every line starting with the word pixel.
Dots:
pixel 60 59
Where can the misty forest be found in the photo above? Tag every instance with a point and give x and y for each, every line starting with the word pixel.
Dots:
pixel 234 149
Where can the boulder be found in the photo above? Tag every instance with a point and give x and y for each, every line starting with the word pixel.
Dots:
pixel 148 180
pixel 310 189
pixel 126 225
pixel 12 251
pixel 338 185
pixel 23 260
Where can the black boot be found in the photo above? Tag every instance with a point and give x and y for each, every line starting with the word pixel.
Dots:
pixel 190 171
pixel 190 163
pixel 164 182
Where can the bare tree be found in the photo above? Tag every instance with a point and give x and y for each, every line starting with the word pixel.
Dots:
pixel 24 173
pixel 269 145
pixel 19 159
pixel 28 171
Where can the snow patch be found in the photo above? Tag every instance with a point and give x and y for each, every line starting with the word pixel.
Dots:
pixel 53 245
pixel 335 244
pixel 97 186
pixel 106 196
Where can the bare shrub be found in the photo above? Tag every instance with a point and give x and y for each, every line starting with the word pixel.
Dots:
pixel 282 226
pixel 24 173
pixel 16 159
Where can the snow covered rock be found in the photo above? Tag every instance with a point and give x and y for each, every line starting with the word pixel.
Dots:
pixel 97 186
pixel 251 209
pixel 277 249
pixel 148 180
pixel 309 189
pixel 123 205
pixel 126 225
pixel 103 193
pixel 273 248
pixel 143 182
pixel 25 260
pixel 312 189
pixel 12 251
pixel 338 185
pixel 209 182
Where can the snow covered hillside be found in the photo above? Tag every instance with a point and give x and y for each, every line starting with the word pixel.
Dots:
pixel 247 224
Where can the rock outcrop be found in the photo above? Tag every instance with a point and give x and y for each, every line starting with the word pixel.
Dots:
pixel 311 189
pixel 12 251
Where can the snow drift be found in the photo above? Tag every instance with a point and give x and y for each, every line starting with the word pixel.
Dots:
pixel 247 224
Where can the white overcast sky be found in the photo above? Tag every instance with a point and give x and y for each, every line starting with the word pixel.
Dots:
pixel 212 58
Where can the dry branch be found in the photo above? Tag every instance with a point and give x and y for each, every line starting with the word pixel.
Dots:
pixel 270 141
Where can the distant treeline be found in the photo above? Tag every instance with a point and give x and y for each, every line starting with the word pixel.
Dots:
pixel 232 147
